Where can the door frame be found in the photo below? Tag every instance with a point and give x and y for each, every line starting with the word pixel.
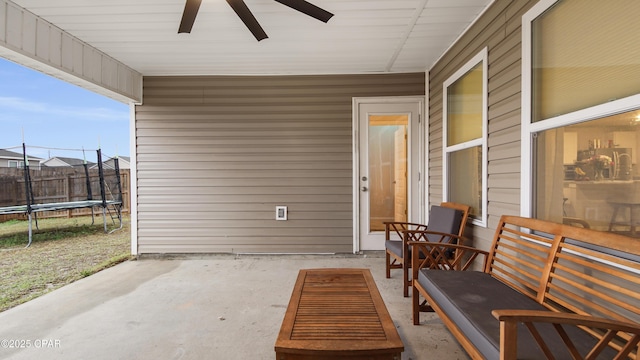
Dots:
pixel 421 152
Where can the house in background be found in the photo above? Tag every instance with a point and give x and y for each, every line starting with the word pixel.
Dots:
pixel 59 161
pixel 123 163
pixel 527 107
pixel 11 159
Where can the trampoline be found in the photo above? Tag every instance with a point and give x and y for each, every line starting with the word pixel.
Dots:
pixel 30 208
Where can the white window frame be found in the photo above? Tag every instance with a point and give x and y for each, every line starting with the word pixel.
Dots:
pixel 19 164
pixel 481 57
pixel 529 129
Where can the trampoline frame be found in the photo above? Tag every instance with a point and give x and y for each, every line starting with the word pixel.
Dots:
pixel 32 209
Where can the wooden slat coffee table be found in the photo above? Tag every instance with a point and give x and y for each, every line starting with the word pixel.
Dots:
pixel 337 314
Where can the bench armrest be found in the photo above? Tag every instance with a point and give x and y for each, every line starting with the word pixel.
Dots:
pixel 620 335
pixel 430 255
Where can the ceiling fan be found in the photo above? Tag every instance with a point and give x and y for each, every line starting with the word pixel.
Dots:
pixel 191 10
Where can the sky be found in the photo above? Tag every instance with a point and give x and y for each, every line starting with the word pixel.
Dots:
pixel 53 114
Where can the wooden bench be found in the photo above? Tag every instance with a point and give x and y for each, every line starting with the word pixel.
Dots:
pixel 337 314
pixel 547 291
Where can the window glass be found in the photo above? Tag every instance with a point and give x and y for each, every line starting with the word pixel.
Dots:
pixel 465 119
pixel 387 169
pixel 584 60
pixel 584 76
pixel 587 174
pixel 464 107
pixel 465 178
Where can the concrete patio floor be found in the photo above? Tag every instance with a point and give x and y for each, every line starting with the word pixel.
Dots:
pixel 194 307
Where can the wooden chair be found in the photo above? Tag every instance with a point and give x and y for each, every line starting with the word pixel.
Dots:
pixel 446 225
pixel 575 222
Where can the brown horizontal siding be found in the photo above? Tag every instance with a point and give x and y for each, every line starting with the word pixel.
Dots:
pixel 216 154
pixel 499 30
pixel 506 181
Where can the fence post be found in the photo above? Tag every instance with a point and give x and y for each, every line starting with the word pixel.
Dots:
pixel 67 190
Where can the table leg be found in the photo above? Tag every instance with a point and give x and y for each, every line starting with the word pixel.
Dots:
pixel 613 216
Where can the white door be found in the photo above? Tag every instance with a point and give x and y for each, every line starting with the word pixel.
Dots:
pixel 387 175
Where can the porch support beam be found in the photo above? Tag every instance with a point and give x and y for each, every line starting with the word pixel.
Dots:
pixel 36 43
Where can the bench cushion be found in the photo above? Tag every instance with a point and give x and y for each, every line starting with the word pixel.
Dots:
pixel 468 297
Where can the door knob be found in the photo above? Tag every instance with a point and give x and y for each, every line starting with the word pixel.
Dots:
pixel 364 188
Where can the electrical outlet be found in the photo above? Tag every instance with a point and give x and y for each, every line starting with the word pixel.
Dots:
pixel 281 213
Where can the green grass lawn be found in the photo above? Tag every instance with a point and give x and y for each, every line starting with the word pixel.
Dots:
pixel 63 250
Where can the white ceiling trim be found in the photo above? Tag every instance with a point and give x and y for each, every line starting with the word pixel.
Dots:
pixel 402 43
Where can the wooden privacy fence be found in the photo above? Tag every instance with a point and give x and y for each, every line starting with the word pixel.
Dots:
pixel 58 185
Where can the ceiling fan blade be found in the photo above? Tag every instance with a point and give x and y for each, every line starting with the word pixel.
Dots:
pixel 308 8
pixel 248 19
pixel 189 15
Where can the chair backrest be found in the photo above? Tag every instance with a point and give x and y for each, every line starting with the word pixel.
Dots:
pixel 445 220
pixel 464 209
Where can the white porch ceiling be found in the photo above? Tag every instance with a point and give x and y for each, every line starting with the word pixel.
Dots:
pixel 364 36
